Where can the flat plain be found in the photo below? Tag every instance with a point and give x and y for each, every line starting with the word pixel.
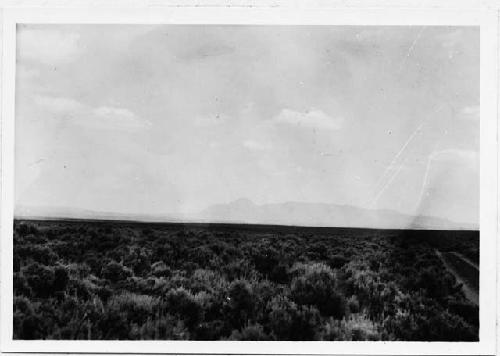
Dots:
pixel 122 280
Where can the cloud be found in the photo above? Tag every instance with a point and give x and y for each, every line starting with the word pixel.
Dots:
pixel 253 145
pixel 103 117
pixel 26 74
pixel 49 47
pixel 117 118
pixel 451 39
pixel 313 118
pixel 58 105
pixel 209 120
pixel 207 51
pixel 471 112
pixel 467 157
pixel 450 186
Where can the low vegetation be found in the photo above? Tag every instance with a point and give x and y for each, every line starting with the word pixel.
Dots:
pixel 467 271
pixel 131 281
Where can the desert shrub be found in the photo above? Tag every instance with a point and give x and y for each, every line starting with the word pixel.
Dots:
pixel 40 279
pixel 139 260
pixel 281 312
pixel 436 284
pixel 241 302
pixel 212 305
pixel 80 289
pixel 265 258
pixel 253 332
pixel 178 279
pixel 236 269
pixel 142 285
pixel 115 271
pixel 315 285
pixel 208 281
pixel 20 285
pixel 47 311
pixel 113 325
pixel 279 273
pixel 37 239
pixel 201 255
pixel 289 321
pixel 104 293
pixel 337 261
pixel 24 229
pixel 332 330
pixel 374 263
pixel 448 327
pixel 160 269
pixel 241 296
pixel 357 329
pixel 78 270
pixel 263 291
pixel 23 305
pixel 162 250
pixel 136 307
pixel 210 330
pixel 353 304
pixel 182 303
pixel 166 327
pixel 26 324
pixel 28 327
pixel 61 278
pixel 16 262
pixel 67 309
pixel 358 334
pixel 305 323
pixel 466 310
pixel 41 254
pixel 94 262
pixel 108 242
pixel 427 324
pixel 189 266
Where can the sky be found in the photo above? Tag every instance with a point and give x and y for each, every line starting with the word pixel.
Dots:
pixel 168 119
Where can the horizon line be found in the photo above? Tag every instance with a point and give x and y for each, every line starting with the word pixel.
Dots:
pixel 229 222
pixel 190 216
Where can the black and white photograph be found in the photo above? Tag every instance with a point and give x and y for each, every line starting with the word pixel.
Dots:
pixel 246 182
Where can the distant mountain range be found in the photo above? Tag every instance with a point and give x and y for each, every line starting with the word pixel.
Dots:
pixel 314 214
pixel 245 211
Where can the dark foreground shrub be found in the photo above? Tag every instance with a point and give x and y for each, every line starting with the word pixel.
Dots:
pixel 315 286
pixel 353 304
pixel 61 278
pixel 40 279
pixel 289 321
pixel 337 261
pixel 136 307
pixel 21 286
pixel 38 253
pixel 27 325
pixel 182 303
pixel 241 302
pixel 250 333
pixel 439 326
pixel 115 271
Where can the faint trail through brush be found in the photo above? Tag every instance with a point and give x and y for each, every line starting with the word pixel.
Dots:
pixel 465 271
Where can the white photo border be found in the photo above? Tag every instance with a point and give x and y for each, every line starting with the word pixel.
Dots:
pixel 486 19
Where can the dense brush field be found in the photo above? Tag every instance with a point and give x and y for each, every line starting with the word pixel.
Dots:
pixel 123 280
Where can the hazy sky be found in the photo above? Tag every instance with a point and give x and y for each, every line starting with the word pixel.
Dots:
pixel 168 119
